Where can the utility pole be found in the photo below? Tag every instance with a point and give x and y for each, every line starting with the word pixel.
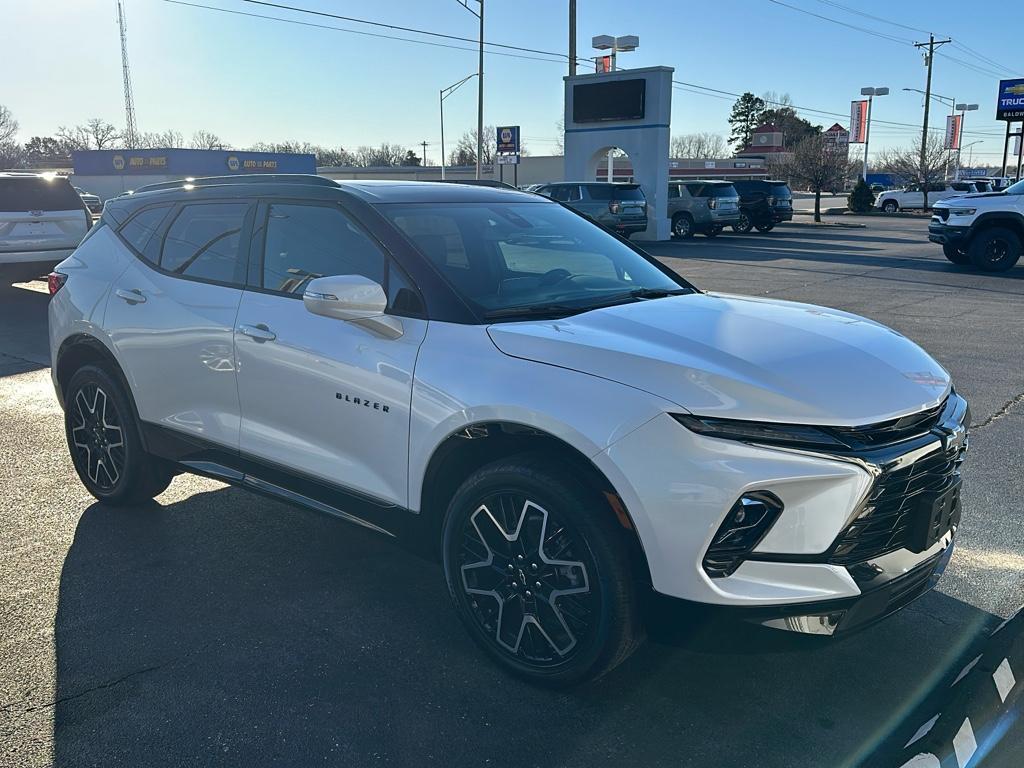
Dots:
pixel 423 157
pixel 131 134
pixel 480 98
pixel 572 38
pixel 930 45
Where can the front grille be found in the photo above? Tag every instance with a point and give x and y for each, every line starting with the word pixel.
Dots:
pixel 892 431
pixel 889 515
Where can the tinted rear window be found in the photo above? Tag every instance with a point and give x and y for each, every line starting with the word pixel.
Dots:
pixel 605 192
pixel 780 191
pixel 31 193
pixel 719 190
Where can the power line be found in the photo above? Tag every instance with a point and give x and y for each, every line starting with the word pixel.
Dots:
pixel 357 31
pixel 829 19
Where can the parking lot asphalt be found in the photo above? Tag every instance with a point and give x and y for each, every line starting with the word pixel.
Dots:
pixel 213 627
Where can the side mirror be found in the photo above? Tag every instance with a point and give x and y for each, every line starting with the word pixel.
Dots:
pixel 355 299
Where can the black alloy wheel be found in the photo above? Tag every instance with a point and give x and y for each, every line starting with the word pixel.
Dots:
pixel 744 225
pixel 995 249
pixel 682 226
pixel 103 437
pixel 538 573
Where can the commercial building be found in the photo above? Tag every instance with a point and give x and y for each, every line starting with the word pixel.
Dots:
pixel 110 172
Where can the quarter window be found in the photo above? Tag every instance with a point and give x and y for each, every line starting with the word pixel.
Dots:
pixel 203 242
pixel 305 242
pixel 140 229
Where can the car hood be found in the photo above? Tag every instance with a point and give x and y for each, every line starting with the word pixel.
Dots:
pixel 976 195
pixel 741 357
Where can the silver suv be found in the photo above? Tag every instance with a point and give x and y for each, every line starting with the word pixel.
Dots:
pixel 702 206
pixel 619 207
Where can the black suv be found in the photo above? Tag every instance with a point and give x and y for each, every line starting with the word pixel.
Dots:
pixel 763 204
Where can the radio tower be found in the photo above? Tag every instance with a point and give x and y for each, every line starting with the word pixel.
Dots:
pixel 130 131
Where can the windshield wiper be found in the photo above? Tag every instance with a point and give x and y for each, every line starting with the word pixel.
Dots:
pixel 533 310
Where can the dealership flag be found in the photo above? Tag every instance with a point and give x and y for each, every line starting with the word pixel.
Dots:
pixel 953 131
pixel 858 121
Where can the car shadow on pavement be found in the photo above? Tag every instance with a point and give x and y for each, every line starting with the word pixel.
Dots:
pixel 24 345
pixel 228 629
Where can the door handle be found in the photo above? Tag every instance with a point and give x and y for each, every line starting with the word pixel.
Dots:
pixel 258 332
pixel 134 296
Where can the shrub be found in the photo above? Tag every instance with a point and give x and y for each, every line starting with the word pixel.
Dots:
pixel 861 198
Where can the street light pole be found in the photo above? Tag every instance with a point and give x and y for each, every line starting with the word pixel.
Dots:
pixel 443 94
pixel 870 93
pixel 480 85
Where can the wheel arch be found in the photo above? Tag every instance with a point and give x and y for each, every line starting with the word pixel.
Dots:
pixel 475 445
pixel 1008 219
pixel 83 349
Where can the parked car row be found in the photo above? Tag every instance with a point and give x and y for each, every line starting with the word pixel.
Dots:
pixel 913 196
pixel 698 206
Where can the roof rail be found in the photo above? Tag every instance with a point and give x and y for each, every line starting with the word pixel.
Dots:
pixel 247 178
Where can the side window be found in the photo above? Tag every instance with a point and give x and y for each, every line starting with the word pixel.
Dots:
pixel 203 242
pixel 573 193
pixel 694 189
pixel 673 191
pixel 402 297
pixel 304 242
pixel 139 230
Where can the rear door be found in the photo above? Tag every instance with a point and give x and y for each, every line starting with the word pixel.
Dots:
pixel 39 215
pixel 171 314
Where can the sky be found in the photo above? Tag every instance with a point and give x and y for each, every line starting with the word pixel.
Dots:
pixel 253 79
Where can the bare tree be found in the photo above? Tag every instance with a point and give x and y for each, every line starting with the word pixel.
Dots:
pixel 814 165
pixel 698 146
pixel 8 125
pixel 383 156
pixel 923 164
pixel 96 133
pixel 162 140
pixel 559 137
pixel 202 139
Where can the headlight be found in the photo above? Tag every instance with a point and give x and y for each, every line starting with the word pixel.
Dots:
pixel 793 435
pixel 962 211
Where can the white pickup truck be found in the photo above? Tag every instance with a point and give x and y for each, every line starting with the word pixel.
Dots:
pixel 913 197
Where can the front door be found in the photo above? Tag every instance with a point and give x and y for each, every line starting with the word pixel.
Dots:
pixel 173 314
pixel 321 396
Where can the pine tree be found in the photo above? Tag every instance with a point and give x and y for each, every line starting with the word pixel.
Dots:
pixel 861 198
pixel 747 114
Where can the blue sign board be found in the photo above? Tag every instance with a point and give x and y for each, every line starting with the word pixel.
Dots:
pixel 508 140
pixel 1010 105
pixel 187 162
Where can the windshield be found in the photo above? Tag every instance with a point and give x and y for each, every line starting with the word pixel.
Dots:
pixel 1016 189
pixel 529 256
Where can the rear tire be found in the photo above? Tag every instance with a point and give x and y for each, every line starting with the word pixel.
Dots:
pixel 995 249
pixel 682 226
pixel 744 225
pixel 714 231
pixel 765 227
pixel 955 254
pixel 554 601
pixel 105 444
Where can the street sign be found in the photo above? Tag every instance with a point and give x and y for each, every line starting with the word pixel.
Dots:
pixel 508 140
pixel 507 159
pixel 953 131
pixel 1010 104
pixel 858 121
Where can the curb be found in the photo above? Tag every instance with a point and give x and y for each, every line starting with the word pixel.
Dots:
pixel 983 701
pixel 825 224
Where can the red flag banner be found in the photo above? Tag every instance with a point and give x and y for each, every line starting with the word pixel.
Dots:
pixel 858 121
pixel 953 131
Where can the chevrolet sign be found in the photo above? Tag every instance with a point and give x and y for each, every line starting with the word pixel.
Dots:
pixel 1010 105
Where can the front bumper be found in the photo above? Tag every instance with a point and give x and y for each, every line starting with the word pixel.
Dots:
pixel 820 556
pixel 947 234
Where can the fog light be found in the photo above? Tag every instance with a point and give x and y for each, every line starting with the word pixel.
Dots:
pixel 748 521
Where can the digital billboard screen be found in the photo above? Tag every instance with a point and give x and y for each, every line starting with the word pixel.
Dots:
pixel 613 100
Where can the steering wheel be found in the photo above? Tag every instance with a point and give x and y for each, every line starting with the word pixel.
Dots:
pixel 555 276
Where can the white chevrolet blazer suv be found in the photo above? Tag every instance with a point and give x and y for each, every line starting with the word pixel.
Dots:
pixel 560 419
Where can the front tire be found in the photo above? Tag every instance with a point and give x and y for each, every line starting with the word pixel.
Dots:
pixel 103 437
pixel 539 572
pixel 995 249
pixel 955 254
pixel 682 226
pixel 890 206
pixel 744 225
pixel 765 227
pixel 713 231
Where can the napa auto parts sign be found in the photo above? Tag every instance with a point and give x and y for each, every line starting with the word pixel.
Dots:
pixel 1010 105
